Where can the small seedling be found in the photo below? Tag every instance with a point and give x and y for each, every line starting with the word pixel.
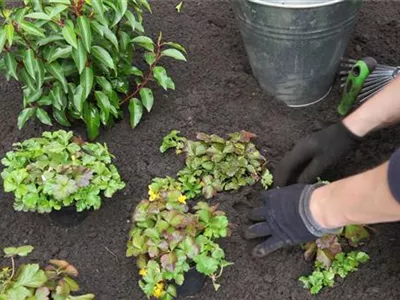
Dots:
pixel 342 265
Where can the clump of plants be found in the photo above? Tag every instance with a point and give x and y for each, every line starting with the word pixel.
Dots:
pixel 30 281
pixel 214 164
pixel 342 265
pixel 81 60
pixel 169 237
pixel 59 170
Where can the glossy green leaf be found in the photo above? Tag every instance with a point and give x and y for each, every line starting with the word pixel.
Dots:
pixel 79 98
pixel 145 4
pixel 104 103
pixel 144 42
pixel 58 97
pixel 29 62
pixel 43 116
pixel 86 33
pixel 60 53
pixel 160 74
pixel 111 37
pixel 176 46
pixel 27 80
pixel 57 71
pixel 99 10
pixel 34 96
pixel 136 111
pixel 38 16
pixel 70 36
pixel 3 38
pixel 92 120
pixel 11 65
pixel 174 53
pixel 54 13
pixel 103 56
pixel 104 83
pixel 60 117
pixel 65 2
pixel 9 29
pixel 80 57
pixel 131 19
pixel 50 39
pixel 87 81
pixel 97 27
pixel 147 97
pixel 40 71
pixel 24 116
pixel 31 29
pixel 150 58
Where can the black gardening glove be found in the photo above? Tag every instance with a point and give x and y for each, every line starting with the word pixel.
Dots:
pixel 285 219
pixel 313 154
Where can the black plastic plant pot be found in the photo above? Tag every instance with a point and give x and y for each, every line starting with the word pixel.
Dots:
pixel 194 282
pixel 68 216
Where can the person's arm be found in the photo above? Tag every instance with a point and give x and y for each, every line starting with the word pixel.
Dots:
pixel 301 213
pixel 361 199
pixel 313 154
pixel 382 110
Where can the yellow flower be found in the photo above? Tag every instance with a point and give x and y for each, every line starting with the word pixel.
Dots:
pixel 153 195
pixel 143 272
pixel 158 290
pixel 182 199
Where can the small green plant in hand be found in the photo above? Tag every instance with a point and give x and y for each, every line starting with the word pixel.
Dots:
pixel 30 281
pixel 59 170
pixel 76 60
pixel 342 265
pixel 168 239
pixel 215 164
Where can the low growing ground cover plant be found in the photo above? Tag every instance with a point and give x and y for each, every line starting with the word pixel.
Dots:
pixel 31 282
pixel 215 164
pixel 59 170
pixel 171 235
pixel 80 60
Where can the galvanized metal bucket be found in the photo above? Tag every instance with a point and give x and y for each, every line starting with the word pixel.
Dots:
pixel 295 46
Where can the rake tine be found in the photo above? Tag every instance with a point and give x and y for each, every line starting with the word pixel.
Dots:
pixel 363 99
pixel 377 84
pixel 348 66
pixel 369 92
pixel 344 72
pixel 348 60
pixel 376 79
pixel 384 67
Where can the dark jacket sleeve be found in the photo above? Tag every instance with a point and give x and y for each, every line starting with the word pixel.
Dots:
pixel 394 175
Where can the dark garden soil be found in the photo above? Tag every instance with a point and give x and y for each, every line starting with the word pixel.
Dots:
pixel 216 93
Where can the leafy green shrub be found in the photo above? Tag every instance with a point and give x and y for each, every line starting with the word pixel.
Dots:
pixel 214 164
pixel 58 170
pixel 75 59
pixel 168 239
pixel 30 282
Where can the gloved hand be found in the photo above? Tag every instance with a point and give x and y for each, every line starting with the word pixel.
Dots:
pixel 285 219
pixel 313 154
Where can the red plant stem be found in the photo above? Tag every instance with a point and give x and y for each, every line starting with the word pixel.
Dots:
pixel 147 77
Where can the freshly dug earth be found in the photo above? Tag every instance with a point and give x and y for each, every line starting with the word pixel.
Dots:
pixel 216 93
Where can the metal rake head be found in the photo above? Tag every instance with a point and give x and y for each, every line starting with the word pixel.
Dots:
pixel 376 81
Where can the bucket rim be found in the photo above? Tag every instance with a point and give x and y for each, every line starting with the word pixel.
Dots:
pixel 296 6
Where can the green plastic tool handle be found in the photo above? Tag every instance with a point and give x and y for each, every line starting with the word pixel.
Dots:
pixel 354 83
